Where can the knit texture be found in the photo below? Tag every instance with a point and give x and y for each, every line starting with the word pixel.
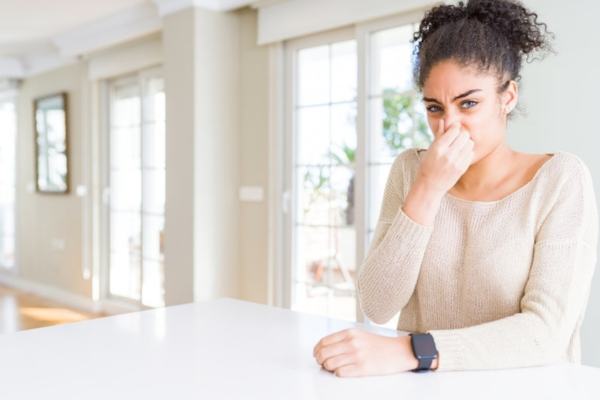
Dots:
pixel 499 284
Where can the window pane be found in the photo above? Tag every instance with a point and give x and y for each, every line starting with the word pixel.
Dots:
pixel 343 76
pixel 312 195
pixel 125 275
pixel 154 228
pixel 154 145
pixel 324 237
pixel 126 190
pixel 125 147
pixel 314 76
pixel 8 150
pixel 397 123
pixel 153 285
pixel 154 191
pixel 392 60
pixel 325 301
pixel 343 133
pixel 126 107
pixel 313 135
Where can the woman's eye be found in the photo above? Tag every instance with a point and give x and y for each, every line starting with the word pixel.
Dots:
pixel 433 108
pixel 468 104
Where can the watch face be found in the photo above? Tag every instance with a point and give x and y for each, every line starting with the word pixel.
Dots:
pixel 424 346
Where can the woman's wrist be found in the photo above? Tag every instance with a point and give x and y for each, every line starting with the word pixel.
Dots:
pixel 411 361
pixel 422 203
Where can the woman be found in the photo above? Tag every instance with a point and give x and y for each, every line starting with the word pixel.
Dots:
pixel 487 252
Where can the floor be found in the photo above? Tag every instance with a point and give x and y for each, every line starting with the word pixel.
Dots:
pixel 21 311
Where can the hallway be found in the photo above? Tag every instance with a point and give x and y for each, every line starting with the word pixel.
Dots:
pixel 21 311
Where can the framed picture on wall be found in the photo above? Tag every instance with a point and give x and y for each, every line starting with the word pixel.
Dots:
pixel 51 144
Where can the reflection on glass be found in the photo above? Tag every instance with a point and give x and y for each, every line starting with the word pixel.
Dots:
pixel 51 143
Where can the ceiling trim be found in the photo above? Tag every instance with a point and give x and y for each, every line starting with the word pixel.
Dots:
pixel 118 28
pixel 11 67
pixel 168 7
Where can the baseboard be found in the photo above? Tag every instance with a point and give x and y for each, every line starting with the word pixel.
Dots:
pixel 51 293
pixel 67 298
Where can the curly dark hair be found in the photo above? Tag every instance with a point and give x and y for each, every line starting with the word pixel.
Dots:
pixel 492 35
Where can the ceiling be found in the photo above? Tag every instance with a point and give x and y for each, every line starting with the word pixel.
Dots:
pixel 39 35
pixel 27 26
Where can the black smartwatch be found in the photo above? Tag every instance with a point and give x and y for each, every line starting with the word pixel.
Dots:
pixel 424 349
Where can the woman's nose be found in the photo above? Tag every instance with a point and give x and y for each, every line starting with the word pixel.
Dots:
pixel 451 117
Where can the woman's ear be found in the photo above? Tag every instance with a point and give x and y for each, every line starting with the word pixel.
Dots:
pixel 510 97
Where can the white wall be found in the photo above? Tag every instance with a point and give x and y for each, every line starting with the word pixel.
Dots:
pixel 560 95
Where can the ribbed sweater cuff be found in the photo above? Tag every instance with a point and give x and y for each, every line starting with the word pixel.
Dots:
pixel 410 229
pixel 451 350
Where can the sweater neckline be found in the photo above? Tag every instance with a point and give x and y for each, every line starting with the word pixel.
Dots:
pixel 512 194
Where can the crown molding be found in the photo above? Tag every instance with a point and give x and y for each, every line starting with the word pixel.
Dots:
pixel 257 5
pixel 127 25
pixel 36 64
pixel 11 67
pixel 168 7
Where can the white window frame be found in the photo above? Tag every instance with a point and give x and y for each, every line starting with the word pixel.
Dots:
pixel 284 142
pixel 140 77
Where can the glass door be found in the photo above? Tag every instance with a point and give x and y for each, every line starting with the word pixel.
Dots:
pixel 136 187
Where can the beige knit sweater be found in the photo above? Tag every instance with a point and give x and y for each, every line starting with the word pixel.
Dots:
pixel 499 284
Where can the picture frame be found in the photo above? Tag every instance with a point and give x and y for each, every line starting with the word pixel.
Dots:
pixel 50 120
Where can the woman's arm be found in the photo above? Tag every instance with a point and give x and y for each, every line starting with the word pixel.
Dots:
pixel 555 296
pixel 388 275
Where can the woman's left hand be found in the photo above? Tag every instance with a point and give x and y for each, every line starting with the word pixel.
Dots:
pixel 353 352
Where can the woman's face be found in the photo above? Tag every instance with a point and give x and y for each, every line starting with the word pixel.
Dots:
pixel 455 93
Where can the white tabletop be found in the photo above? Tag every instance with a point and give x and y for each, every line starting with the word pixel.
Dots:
pixel 230 349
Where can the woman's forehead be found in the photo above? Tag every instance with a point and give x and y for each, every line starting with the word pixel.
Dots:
pixel 453 79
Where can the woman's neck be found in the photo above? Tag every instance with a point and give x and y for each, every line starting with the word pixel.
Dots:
pixel 488 172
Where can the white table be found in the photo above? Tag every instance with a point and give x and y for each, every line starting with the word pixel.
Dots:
pixel 230 349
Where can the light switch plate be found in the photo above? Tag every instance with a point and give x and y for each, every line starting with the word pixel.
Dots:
pixel 252 193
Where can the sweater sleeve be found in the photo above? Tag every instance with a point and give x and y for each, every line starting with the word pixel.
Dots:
pixel 555 296
pixel 388 275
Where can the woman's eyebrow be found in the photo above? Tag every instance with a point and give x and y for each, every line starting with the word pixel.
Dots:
pixel 460 96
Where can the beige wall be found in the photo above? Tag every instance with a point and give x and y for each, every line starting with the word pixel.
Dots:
pixel 202 73
pixel 217 124
pixel 254 161
pixel 43 218
pixel 179 69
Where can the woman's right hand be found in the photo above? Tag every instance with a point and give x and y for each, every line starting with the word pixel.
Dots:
pixel 446 159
